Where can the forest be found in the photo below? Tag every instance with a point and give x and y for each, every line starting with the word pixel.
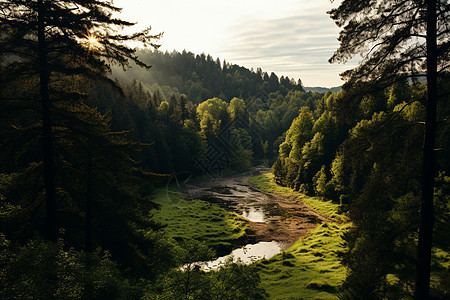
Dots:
pixel 124 172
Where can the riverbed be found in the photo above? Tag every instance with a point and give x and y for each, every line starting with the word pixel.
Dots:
pixel 276 221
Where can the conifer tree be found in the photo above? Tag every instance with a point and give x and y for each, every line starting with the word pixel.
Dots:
pixel 53 39
pixel 401 39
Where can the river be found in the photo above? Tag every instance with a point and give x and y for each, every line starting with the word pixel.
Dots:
pixel 276 221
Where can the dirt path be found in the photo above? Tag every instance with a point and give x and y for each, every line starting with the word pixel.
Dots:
pixel 273 217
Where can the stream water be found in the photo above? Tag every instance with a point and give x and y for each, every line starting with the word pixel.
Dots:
pixel 275 222
pixel 247 255
pixel 254 213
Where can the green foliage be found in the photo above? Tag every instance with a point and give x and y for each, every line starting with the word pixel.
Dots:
pixel 398 55
pixel 442 206
pixel 185 283
pixel 266 111
pixel 99 188
pixel 236 109
pixel 69 169
pixel 399 92
pixel 378 168
pixel 373 171
pixel 6 208
pixel 231 281
pixel 200 77
pixel 212 115
pixel 384 212
pixel 45 270
pixel 103 145
pixel 320 182
pixel 310 143
pixel 171 126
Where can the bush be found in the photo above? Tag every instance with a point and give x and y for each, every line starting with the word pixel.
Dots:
pixel 45 270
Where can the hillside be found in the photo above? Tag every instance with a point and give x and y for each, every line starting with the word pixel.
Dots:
pixel 200 77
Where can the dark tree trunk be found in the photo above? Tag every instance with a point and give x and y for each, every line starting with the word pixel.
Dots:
pixel 428 168
pixel 88 220
pixel 49 169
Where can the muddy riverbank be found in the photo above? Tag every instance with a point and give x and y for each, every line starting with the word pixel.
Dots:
pixel 272 217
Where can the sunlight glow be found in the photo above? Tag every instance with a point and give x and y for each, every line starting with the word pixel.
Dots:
pixel 92 41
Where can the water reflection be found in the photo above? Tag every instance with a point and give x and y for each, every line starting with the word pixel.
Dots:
pixel 247 254
pixel 254 214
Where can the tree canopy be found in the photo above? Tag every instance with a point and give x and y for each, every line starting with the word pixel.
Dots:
pixel 400 39
pixel 52 39
pixel 391 36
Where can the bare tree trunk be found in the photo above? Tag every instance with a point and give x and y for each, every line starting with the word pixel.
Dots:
pixel 49 169
pixel 428 168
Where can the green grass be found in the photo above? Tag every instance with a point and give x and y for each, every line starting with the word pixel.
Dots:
pixel 265 182
pixel 199 220
pixel 311 268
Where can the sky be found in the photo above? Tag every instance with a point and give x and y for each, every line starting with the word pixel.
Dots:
pixel 293 38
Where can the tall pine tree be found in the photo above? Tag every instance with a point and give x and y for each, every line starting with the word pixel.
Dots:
pixel 401 39
pixel 52 39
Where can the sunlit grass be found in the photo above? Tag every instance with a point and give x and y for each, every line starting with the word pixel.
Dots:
pixel 310 269
pixel 199 220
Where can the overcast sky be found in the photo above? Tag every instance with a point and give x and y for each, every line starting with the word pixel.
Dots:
pixel 294 38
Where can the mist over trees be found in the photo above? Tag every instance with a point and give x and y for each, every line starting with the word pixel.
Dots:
pixel 200 77
pixel 169 101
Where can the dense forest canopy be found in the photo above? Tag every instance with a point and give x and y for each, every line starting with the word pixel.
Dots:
pixel 178 109
pixel 200 77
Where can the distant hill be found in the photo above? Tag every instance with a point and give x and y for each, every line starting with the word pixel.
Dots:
pixel 322 89
pixel 200 77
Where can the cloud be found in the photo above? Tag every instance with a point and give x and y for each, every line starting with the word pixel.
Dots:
pixel 289 37
pixel 298 46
